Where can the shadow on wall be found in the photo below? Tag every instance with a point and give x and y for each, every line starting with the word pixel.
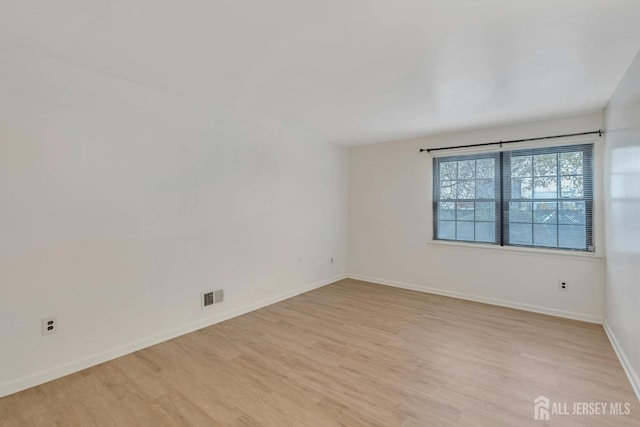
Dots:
pixel 625 195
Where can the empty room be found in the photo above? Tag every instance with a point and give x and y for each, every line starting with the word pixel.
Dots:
pixel 320 213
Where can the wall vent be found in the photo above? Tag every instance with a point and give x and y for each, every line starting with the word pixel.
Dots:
pixel 207 299
pixel 210 298
pixel 218 296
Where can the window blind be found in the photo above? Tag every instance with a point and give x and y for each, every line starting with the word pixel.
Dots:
pixel 539 197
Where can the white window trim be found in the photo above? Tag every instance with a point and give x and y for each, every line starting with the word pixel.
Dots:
pixel 541 251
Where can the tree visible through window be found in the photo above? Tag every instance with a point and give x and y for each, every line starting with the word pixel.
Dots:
pixel 537 198
pixel 468 188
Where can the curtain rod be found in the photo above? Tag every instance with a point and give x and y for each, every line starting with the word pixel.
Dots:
pixel 428 150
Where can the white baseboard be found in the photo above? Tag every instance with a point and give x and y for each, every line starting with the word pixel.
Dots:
pixel 633 376
pixel 494 301
pixel 78 365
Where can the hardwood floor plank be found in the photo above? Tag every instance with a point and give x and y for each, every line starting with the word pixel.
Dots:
pixel 348 354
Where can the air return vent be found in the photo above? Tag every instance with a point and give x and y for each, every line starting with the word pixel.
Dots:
pixel 210 298
pixel 207 299
pixel 218 296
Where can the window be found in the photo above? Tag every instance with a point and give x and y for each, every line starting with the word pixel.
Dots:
pixel 534 198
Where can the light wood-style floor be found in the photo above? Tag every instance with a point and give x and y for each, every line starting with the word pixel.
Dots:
pixel 349 354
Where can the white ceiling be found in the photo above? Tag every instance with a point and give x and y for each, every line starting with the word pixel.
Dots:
pixel 355 71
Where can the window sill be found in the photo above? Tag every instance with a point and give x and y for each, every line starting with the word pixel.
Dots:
pixel 520 250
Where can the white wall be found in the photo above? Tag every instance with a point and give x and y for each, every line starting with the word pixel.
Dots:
pixel 390 228
pixel 120 204
pixel 622 209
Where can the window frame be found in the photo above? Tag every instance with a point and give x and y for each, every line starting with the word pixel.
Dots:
pixel 503 196
pixel 436 193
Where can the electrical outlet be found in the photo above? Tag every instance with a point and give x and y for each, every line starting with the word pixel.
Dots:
pixel 49 325
pixel 563 285
pixel 331 260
